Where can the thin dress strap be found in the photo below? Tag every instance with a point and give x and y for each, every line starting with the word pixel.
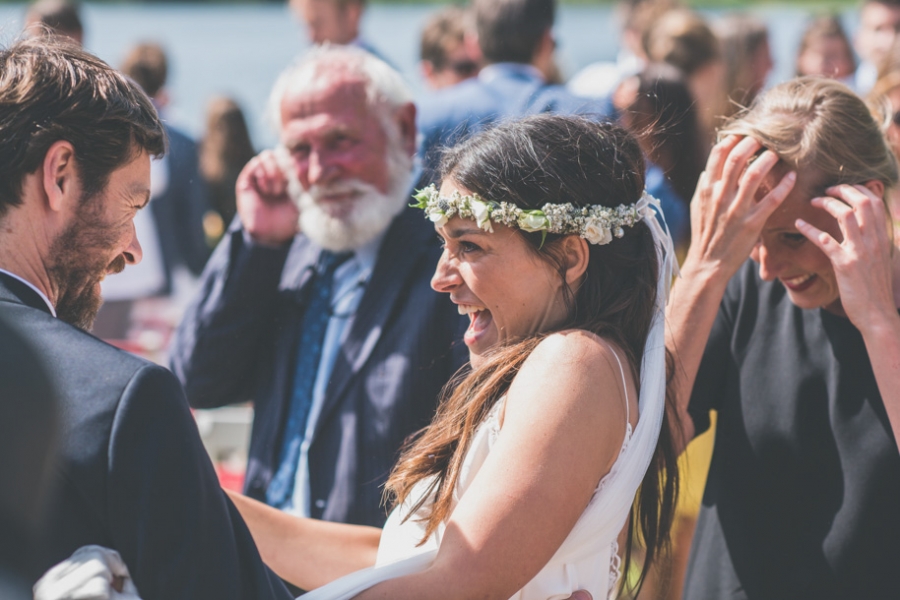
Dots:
pixel 624 388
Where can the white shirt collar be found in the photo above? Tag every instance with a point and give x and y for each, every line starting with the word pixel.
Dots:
pixel 366 254
pixel 32 286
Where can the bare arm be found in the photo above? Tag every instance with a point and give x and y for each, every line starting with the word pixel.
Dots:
pixel 726 221
pixel 559 437
pixel 307 552
pixel 866 266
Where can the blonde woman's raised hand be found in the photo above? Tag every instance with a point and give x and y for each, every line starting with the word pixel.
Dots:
pixel 862 260
pixel 727 212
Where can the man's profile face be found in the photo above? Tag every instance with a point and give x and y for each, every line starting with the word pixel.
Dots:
pixel 329 20
pixel 878 27
pixel 99 240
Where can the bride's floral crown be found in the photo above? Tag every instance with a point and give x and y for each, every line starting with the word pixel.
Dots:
pixel 597 224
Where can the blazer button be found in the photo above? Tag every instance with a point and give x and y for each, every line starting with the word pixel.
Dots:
pixel 320 504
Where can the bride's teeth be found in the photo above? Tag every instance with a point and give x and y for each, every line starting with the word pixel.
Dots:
pixel 467 309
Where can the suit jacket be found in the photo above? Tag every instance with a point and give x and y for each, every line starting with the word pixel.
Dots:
pixel 238 342
pixel 133 473
pixel 501 91
pixel 179 209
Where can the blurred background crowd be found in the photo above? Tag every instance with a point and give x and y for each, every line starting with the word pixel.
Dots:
pixel 669 72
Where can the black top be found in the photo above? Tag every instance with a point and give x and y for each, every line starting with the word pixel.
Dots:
pixel 803 495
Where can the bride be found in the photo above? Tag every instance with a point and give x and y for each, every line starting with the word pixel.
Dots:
pixel 527 476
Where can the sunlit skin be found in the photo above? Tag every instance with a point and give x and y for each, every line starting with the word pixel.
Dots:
pixel 98 239
pixel 508 291
pixel 827 56
pixel 128 192
pixel 331 135
pixel 786 255
pixel 329 20
pixel 878 27
pixel 64 243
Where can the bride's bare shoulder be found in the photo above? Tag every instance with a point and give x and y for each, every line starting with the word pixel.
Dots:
pixel 572 365
pixel 574 347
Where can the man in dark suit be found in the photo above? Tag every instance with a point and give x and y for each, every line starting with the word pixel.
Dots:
pixel 28 438
pixel 517 45
pixel 75 147
pixel 332 328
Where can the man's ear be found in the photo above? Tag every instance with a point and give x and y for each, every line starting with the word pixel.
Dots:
pixel 59 175
pixel 577 254
pixel 405 116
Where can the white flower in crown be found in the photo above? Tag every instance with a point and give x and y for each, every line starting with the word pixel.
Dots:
pixel 595 232
pixel 437 217
pixel 533 220
pixel 482 213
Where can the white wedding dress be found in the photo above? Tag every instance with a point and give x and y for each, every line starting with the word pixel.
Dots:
pixel 588 558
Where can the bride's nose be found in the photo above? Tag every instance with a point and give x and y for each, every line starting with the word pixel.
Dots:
pixel 446 275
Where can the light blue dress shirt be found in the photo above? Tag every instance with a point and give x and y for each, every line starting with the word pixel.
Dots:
pixel 349 285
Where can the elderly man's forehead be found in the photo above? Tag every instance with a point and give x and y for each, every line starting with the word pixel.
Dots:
pixel 337 91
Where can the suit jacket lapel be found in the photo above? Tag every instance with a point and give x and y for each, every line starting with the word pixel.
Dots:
pixel 396 260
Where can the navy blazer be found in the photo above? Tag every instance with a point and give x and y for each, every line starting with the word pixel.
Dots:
pixel 133 474
pixel 238 342
pixel 501 91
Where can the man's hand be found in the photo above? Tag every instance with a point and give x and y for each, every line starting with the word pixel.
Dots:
pixel 267 211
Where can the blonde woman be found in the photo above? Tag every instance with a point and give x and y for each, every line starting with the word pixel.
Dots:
pixel 797 349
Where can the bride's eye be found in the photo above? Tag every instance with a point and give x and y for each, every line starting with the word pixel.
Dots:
pixel 467 247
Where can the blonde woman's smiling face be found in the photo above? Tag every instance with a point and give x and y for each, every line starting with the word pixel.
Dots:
pixel 507 290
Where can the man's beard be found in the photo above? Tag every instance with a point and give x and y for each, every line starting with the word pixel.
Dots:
pixel 369 213
pixel 80 260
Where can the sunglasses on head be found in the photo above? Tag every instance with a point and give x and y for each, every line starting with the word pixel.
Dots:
pixel 464 68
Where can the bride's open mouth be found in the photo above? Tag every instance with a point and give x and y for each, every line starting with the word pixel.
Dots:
pixel 480 319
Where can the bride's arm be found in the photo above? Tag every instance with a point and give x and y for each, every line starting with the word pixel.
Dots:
pixel 563 426
pixel 307 552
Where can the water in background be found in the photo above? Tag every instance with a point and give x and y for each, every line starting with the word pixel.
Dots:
pixel 239 50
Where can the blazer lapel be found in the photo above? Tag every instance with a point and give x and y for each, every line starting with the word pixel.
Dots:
pixel 396 260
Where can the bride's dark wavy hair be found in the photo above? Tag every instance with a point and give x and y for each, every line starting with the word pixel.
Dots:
pixel 529 163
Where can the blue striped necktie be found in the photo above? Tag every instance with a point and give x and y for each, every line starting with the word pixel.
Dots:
pixel 309 354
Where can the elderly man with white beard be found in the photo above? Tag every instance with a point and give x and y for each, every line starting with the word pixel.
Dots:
pixel 317 306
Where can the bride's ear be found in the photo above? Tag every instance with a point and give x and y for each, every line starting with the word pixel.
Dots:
pixel 576 253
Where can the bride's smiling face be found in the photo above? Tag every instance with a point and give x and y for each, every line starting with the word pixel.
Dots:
pixel 507 290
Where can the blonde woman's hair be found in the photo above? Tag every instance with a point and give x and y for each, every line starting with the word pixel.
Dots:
pixel 818 123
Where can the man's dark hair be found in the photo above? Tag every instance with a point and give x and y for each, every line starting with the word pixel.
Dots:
pixel 52 90
pixel 510 30
pixel 62 16
pixel 147 64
